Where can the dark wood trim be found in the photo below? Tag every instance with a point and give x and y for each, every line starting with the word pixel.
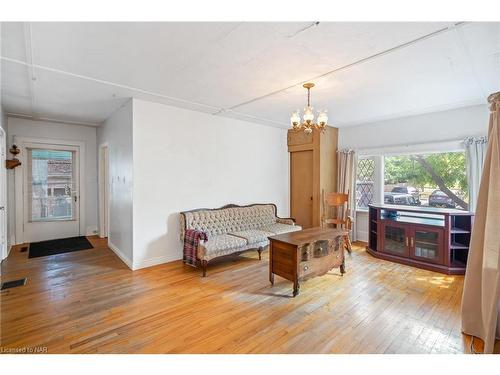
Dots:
pixel 406 228
pixel 286 255
pixel 416 263
pixel 204 264
pixel 450 260
pixel 420 209
pixel 233 205
pixel 441 246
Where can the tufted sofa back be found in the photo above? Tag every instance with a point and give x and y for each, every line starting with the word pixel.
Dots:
pixel 229 219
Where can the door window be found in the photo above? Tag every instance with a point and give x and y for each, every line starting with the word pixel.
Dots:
pixel 51 185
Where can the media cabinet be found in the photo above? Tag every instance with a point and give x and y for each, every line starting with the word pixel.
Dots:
pixel 435 239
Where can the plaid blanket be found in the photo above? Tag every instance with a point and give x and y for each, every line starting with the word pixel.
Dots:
pixel 191 240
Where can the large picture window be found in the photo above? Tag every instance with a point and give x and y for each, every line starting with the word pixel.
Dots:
pixel 435 180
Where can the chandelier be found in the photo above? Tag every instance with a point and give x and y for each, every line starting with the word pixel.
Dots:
pixel 308 123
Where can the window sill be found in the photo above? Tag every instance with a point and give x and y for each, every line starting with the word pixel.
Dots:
pixel 362 210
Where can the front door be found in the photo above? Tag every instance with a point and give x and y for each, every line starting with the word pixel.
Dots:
pixel 51 192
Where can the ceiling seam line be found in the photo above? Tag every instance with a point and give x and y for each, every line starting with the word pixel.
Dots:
pixel 219 110
pixel 28 48
pixel 54 70
pixel 221 113
pixel 49 119
pixel 361 61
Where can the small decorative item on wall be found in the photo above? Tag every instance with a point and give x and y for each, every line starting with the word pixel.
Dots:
pixel 14 162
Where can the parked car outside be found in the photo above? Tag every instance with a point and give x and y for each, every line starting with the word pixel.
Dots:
pixel 399 198
pixel 439 199
pixel 408 190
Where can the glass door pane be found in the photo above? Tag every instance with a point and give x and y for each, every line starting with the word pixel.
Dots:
pixel 51 185
pixel 395 240
pixel 427 245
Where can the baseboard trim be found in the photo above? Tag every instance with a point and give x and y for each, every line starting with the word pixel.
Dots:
pixel 91 231
pixel 154 262
pixel 120 255
pixel 361 236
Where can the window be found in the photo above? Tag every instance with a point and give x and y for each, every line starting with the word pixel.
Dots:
pixel 50 181
pixel 365 174
pixel 435 180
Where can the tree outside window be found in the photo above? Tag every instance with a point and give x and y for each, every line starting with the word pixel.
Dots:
pixel 437 180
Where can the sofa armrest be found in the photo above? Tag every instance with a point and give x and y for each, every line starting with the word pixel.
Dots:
pixel 287 220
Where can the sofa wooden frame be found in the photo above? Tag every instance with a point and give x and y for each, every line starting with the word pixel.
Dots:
pixel 204 263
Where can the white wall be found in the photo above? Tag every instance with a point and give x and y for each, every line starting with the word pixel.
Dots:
pixel 116 131
pixel 185 160
pixel 396 134
pixel 432 127
pixel 50 130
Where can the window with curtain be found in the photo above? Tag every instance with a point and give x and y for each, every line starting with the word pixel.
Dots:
pixel 365 176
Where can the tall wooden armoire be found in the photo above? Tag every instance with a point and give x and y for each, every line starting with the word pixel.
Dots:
pixel 313 168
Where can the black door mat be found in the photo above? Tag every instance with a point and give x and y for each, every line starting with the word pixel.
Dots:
pixel 13 284
pixel 63 245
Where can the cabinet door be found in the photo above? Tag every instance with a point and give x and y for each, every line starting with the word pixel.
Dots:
pixel 301 187
pixel 395 240
pixel 426 244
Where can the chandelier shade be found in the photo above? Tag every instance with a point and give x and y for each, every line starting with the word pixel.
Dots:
pixel 306 121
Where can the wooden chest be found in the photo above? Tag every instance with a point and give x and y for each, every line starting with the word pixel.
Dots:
pixel 298 256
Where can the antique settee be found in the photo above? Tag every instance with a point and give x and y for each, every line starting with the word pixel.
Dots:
pixel 231 229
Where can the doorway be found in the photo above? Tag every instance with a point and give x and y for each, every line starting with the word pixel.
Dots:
pixel 104 190
pixel 48 191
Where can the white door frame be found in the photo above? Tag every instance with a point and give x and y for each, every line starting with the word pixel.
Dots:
pixel 103 190
pixel 3 190
pixel 22 142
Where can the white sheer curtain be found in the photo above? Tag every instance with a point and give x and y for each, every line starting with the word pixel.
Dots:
pixel 346 182
pixel 475 151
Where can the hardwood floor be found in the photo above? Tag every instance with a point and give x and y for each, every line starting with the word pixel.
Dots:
pixel 90 302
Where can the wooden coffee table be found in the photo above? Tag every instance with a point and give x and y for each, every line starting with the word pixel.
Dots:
pixel 301 255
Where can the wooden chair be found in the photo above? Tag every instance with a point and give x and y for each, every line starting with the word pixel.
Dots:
pixel 337 213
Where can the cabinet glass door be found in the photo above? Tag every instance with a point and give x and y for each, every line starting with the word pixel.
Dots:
pixel 395 240
pixel 426 244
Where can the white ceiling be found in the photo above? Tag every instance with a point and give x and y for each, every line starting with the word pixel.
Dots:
pixel 82 72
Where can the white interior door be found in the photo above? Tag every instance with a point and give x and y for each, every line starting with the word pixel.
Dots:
pixel 51 192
